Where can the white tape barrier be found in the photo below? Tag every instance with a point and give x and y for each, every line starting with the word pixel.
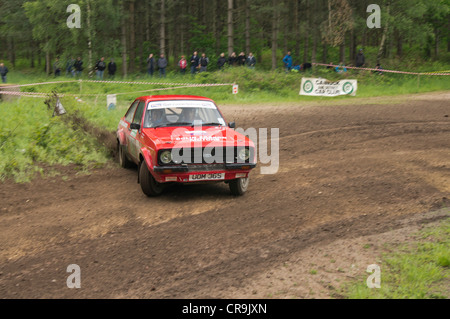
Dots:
pixel 41 94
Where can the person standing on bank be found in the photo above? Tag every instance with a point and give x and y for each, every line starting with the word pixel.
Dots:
pixel 162 64
pixel 150 65
pixel 251 61
pixel 182 64
pixel 112 67
pixel 221 61
pixel 78 66
pixel 100 68
pixel 194 62
pixel 204 63
pixel 3 71
pixel 287 60
pixel 360 59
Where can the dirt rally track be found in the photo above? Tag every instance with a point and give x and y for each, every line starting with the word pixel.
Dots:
pixel 351 173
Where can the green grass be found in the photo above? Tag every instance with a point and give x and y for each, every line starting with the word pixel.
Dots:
pixel 418 270
pixel 31 138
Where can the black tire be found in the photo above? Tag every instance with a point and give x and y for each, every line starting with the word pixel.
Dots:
pixel 123 159
pixel 239 186
pixel 149 185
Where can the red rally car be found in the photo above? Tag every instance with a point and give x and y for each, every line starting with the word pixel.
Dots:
pixel 183 139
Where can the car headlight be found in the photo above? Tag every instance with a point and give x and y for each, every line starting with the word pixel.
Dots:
pixel 165 157
pixel 243 154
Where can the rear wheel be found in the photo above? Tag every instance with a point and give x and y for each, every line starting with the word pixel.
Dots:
pixel 239 186
pixel 123 159
pixel 149 185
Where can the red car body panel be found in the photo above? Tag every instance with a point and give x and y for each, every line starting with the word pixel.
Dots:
pixel 146 143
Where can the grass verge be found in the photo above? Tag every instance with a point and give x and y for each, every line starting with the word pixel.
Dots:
pixel 417 270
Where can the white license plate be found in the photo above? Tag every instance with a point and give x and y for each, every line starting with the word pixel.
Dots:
pixel 206 177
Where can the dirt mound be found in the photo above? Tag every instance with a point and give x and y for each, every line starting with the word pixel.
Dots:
pixel 104 137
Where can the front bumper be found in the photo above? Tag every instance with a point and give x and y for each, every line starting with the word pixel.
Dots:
pixel 181 173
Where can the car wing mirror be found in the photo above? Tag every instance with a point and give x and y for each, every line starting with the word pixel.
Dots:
pixel 135 126
pixel 232 125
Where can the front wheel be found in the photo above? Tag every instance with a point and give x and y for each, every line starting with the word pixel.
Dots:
pixel 149 185
pixel 239 186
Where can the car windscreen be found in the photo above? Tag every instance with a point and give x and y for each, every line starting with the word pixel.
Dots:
pixel 182 113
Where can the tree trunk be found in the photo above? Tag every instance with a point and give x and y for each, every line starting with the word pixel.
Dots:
pixel 132 33
pixel 275 18
pixel 324 53
pixel 162 29
pixel 88 5
pixel 247 26
pixel 342 51
pixel 383 38
pixel 307 29
pixel 296 28
pixel 230 28
pixel 436 44
pixel 47 62
pixel 124 47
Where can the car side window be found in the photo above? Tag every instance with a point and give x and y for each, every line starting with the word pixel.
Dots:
pixel 130 113
pixel 138 115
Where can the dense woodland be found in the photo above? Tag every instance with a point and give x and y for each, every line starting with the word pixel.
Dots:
pixel 36 31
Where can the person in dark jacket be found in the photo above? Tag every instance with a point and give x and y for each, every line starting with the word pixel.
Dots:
pixel 221 61
pixel 150 65
pixel 100 68
pixel 232 59
pixel 194 62
pixel 162 64
pixel 203 62
pixel 241 59
pixel 3 71
pixel 360 59
pixel 78 66
pixel 112 68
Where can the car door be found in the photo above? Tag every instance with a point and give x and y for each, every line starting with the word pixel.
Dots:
pixel 134 143
pixel 125 124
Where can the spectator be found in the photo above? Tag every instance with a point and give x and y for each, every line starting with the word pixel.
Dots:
pixel 360 59
pixel 378 67
pixel 306 66
pixel 57 67
pixel 251 61
pixel 150 65
pixel 203 63
pixel 100 67
pixel 241 59
pixel 296 67
pixel 287 60
pixel 341 68
pixel 194 62
pixel 78 66
pixel 69 67
pixel 232 59
pixel 112 68
pixel 330 66
pixel 162 64
pixel 182 64
pixel 221 61
pixel 3 71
